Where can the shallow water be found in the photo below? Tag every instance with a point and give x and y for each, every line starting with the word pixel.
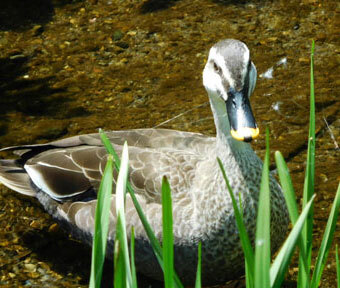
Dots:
pixel 71 67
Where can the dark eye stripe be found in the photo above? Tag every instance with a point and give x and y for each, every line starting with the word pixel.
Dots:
pixel 246 80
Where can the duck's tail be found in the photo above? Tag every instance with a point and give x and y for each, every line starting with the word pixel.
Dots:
pixel 15 177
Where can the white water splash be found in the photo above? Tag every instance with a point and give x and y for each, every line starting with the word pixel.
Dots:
pixel 268 74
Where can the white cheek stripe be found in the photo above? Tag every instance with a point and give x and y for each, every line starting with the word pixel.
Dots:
pixel 220 61
pixel 245 61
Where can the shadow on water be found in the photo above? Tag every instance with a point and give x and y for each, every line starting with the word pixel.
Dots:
pixel 32 97
pixel 156 5
pixel 73 257
pixel 233 2
pixel 19 15
pixel 22 15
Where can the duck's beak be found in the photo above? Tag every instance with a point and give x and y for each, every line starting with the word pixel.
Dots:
pixel 242 122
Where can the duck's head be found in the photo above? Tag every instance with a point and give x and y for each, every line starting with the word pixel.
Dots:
pixel 230 76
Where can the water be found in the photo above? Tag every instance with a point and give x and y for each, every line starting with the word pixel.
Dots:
pixel 71 67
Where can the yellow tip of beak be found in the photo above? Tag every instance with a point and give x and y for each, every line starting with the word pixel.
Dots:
pixel 245 134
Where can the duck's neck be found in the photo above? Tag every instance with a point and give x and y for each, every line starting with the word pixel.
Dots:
pixel 234 156
pixel 227 147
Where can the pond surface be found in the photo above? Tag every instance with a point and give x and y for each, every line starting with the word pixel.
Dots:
pixel 71 67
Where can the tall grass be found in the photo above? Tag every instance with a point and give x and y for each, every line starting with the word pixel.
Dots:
pixel 267 276
pixel 121 255
pixel 337 264
pixel 259 271
pixel 303 224
pixel 308 189
pixel 168 237
pixel 262 244
pixel 101 225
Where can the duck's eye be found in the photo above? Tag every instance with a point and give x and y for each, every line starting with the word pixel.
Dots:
pixel 217 68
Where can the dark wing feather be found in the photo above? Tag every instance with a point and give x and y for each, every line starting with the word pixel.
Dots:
pixel 15 177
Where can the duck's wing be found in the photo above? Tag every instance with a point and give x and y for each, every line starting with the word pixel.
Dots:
pixel 72 168
pixel 64 173
pixel 154 138
pixel 147 138
pixel 70 177
pixel 65 176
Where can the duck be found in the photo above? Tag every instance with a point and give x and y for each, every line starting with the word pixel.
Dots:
pixel 64 175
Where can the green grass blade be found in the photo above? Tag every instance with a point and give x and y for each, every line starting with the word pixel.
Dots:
pixel 337 264
pixel 262 242
pixel 287 187
pixel 168 237
pixel 308 189
pixel 121 234
pixel 109 147
pixel 198 283
pixel 132 260
pixel 326 241
pixel 101 225
pixel 153 240
pixel 119 265
pixel 289 194
pixel 246 245
pixel 151 235
pixel 282 260
pixel 249 277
